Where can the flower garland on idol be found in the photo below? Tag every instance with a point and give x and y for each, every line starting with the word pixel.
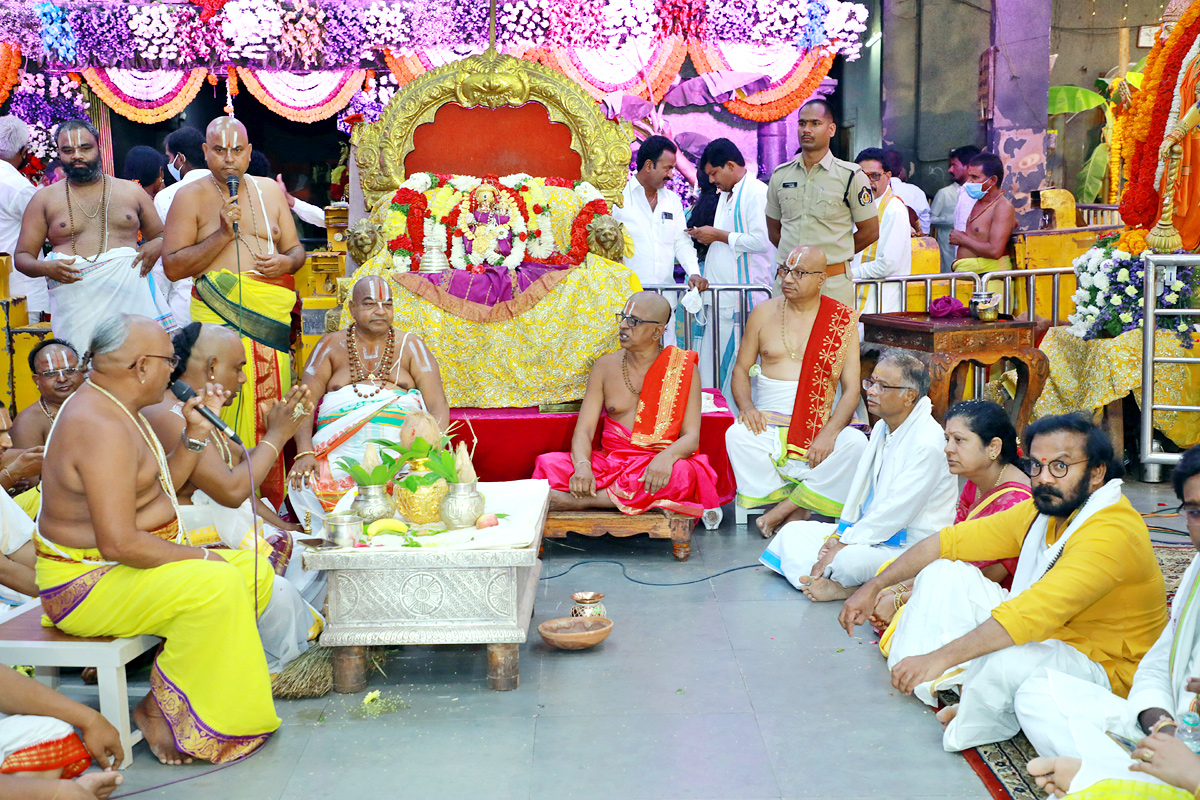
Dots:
pixel 1110 295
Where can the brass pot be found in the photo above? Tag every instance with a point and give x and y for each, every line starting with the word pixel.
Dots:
pixel 422 506
pixel 985 306
pixel 462 505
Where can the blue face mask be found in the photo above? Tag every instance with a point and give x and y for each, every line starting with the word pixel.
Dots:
pixel 974 190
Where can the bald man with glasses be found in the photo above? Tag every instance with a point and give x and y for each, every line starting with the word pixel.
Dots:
pixel 649 396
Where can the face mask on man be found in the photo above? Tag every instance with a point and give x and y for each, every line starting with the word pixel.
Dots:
pixel 974 190
pixel 174 170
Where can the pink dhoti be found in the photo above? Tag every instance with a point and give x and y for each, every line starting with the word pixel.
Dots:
pixel 619 465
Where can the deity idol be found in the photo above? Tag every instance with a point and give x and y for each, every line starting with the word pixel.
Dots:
pixel 488 229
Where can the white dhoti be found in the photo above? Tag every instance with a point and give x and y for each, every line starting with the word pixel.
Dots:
pixel 950 599
pixel 291 619
pixel 346 423
pixel 764 475
pixel 21 731
pixel 109 285
pixel 16 531
pixel 793 554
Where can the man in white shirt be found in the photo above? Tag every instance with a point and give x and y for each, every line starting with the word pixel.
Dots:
pixel 945 203
pixel 185 162
pixel 891 253
pixel 653 217
pixel 15 193
pixel 739 250
pixel 913 196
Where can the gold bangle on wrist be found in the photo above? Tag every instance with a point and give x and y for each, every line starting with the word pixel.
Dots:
pixel 306 453
pixel 1163 722
pixel 273 447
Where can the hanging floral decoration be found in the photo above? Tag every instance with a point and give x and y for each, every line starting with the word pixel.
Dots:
pixel 367 105
pixel 146 96
pixel 303 97
pixel 10 69
pixel 43 102
pixel 627 68
pixel 798 81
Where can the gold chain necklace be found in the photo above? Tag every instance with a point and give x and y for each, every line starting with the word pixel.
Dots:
pixel 46 410
pixel 625 373
pixel 783 332
pixel 160 456
pixel 104 198
pixel 253 218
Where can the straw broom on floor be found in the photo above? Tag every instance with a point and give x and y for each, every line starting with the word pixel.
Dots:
pixel 311 675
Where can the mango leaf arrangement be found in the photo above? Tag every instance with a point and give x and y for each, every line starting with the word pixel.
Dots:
pixel 420 440
pixel 374 469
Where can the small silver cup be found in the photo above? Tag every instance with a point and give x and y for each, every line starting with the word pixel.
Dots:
pixel 343 528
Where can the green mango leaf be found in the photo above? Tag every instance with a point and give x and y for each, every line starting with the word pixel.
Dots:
pixel 441 463
pixel 1090 180
pixel 1073 99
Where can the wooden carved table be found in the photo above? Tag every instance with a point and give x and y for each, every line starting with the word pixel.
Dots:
pixel 436 595
pixel 955 344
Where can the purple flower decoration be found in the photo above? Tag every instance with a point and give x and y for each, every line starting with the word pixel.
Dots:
pixel 103 35
pixel 344 42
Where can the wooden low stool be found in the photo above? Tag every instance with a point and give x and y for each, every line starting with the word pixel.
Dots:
pixel 24 640
pixel 657 523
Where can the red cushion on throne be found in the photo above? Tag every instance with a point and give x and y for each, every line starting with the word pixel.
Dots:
pixel 494 141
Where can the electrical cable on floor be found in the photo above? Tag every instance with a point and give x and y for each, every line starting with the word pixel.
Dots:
pixel 644 583
pixel 186 777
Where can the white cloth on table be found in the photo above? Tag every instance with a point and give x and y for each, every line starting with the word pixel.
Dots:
pixel 748 258
pixel 890 255
pixel 15 193
pixel 952 598
pixel 1068 717
pixel 902 492
pixel 941 221
pixel 755 457
pixel 21 731
pixel 913 197
pixel 109 284
pixel 291 617
pixel 178 293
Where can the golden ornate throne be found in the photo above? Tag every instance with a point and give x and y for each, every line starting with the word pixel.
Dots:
pixel 522 326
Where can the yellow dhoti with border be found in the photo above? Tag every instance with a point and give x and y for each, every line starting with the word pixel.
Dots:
pixel 262 313
pixel 210 677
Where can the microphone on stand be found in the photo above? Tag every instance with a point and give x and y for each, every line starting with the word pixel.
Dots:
pixel 183 392
pixel 232 183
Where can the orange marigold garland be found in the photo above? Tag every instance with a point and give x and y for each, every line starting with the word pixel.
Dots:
pixel 779 100
pixel 10 68
pixel 145 111
pixel 350 83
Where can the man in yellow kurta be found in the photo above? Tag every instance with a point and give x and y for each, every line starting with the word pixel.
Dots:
pixel 1087 599
pixel 113 560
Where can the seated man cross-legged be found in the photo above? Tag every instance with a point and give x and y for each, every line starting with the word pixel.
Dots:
pixel 902 492
pixel 792 437
pixel 215 502
pixel 1066 718
pixel 112 559
pixel 1086 598
pixel 366 379
pixel 650 398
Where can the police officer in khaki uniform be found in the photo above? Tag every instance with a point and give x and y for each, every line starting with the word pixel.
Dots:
pixel 818 200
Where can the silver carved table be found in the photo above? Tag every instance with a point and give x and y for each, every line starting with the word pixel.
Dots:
pixel 431 595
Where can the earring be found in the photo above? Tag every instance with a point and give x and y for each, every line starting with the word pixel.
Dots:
pixel 995 456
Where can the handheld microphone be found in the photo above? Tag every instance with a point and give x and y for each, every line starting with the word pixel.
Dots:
pixel 184 393
pixel 232 183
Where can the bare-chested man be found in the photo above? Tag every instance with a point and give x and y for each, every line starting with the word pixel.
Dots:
pixel 792 444
pixel 218 503
pixel 368 377
pixel 243 277
pixel 983 246
pixel 112 560
pixel 96 269
pixel 650 396
pixel 56 374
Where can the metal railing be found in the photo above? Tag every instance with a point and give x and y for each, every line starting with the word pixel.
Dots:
pixel 1098 214
pixel 1149 359
pixel 927 279
pixel 712 296
pixel 1008 276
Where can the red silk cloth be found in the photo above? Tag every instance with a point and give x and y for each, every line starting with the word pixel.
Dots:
pixel 67 754
pixel 511 439
pixel 619 466
pixel 823 358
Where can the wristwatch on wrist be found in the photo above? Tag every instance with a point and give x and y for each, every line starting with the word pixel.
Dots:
pixel 195 445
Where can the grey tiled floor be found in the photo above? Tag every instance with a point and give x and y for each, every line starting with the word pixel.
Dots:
pixel 735 687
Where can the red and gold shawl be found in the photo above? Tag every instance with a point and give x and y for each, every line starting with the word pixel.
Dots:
pixel 823 359
pixel 664 398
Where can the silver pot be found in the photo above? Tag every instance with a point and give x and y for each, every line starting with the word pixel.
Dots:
pixel 372 503
pixel 343 528
pixel 985 306
pixel 462 505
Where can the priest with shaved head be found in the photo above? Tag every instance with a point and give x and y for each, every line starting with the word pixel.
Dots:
pixel 241 251
pixel 649 396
